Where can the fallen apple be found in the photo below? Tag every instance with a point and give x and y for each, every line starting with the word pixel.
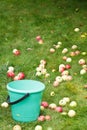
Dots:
pixel 38 127
pixel 68 59
pixel 47 117
pixel 55 83
pixel 73 104
pixel 76 29
pixel 10 74
pixel 38 38
pixel 21 75
pixel 52 106
pixel 81 62
pixel 62 102
pixel 10 68
pixel 16 52
pixel 68 66
pixel 74 47
pixel 59 109
pixel 41 118
pixel 4 104
pixel 52 50
pixel 44 104
pixel 17 127
pixel 71 113
pixel 82 71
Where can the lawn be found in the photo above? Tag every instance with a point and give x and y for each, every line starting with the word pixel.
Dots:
pixel 60 24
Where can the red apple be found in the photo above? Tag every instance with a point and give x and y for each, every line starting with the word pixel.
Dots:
pixel 68 66
pixel 59 109
pixel 44 104
pixel 16 52
pixel 10 74
pixel 38 38
pixel 21 75
pixel 61 69
pixel 41 118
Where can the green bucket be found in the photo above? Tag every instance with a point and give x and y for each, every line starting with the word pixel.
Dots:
pixel 25 99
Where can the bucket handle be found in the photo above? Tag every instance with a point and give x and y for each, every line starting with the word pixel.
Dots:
pixel 17 101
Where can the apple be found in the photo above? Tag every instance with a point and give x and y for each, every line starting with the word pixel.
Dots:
pixel 52 93
pixel 41 118
pixel 52 106
pixel 38 38
pixel 42 108
pixel 71 113
pixel 59 43
pixel 10 68
pixel 49 128
pixel 55 83
pixel 38 73
pixel 64 113
pixel 84 53
pixel 47 117
pixel 17 127
pixel 59 109
pixel 43 71
pixel 40 41
pixel 72 53
pixel 74 46
pixel 76 29
pixel 43 62
pixel 4 104
pixel 21 75
pixel 16 52
pixel 64 77
pixel 52 50
pixel 61 69
pixel 44 104
pixel 67 99
pixel 82 71
pixel 38 127
pixel 81 62
pixel 62 102
pixel 77 52
pixel 73 104
pixel 68 59
pixel 69 78
pixel 57 46
pixel 66 72
pixel 47 75
pixel 64 58
pixel 65 50
pixel 59 79
pixel 10 74
pixel 16 78
pixel 67 66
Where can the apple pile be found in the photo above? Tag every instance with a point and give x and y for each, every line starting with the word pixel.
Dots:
pixel 60 108
pixel 55 46
pixel 41 69
pixel 65 76
pixel 11 74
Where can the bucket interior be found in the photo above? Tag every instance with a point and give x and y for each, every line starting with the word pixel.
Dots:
pixel 25 86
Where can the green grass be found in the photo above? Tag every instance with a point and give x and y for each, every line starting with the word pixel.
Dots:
pixel 55 20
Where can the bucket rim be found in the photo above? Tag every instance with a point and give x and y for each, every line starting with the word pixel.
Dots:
pixel 25 91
